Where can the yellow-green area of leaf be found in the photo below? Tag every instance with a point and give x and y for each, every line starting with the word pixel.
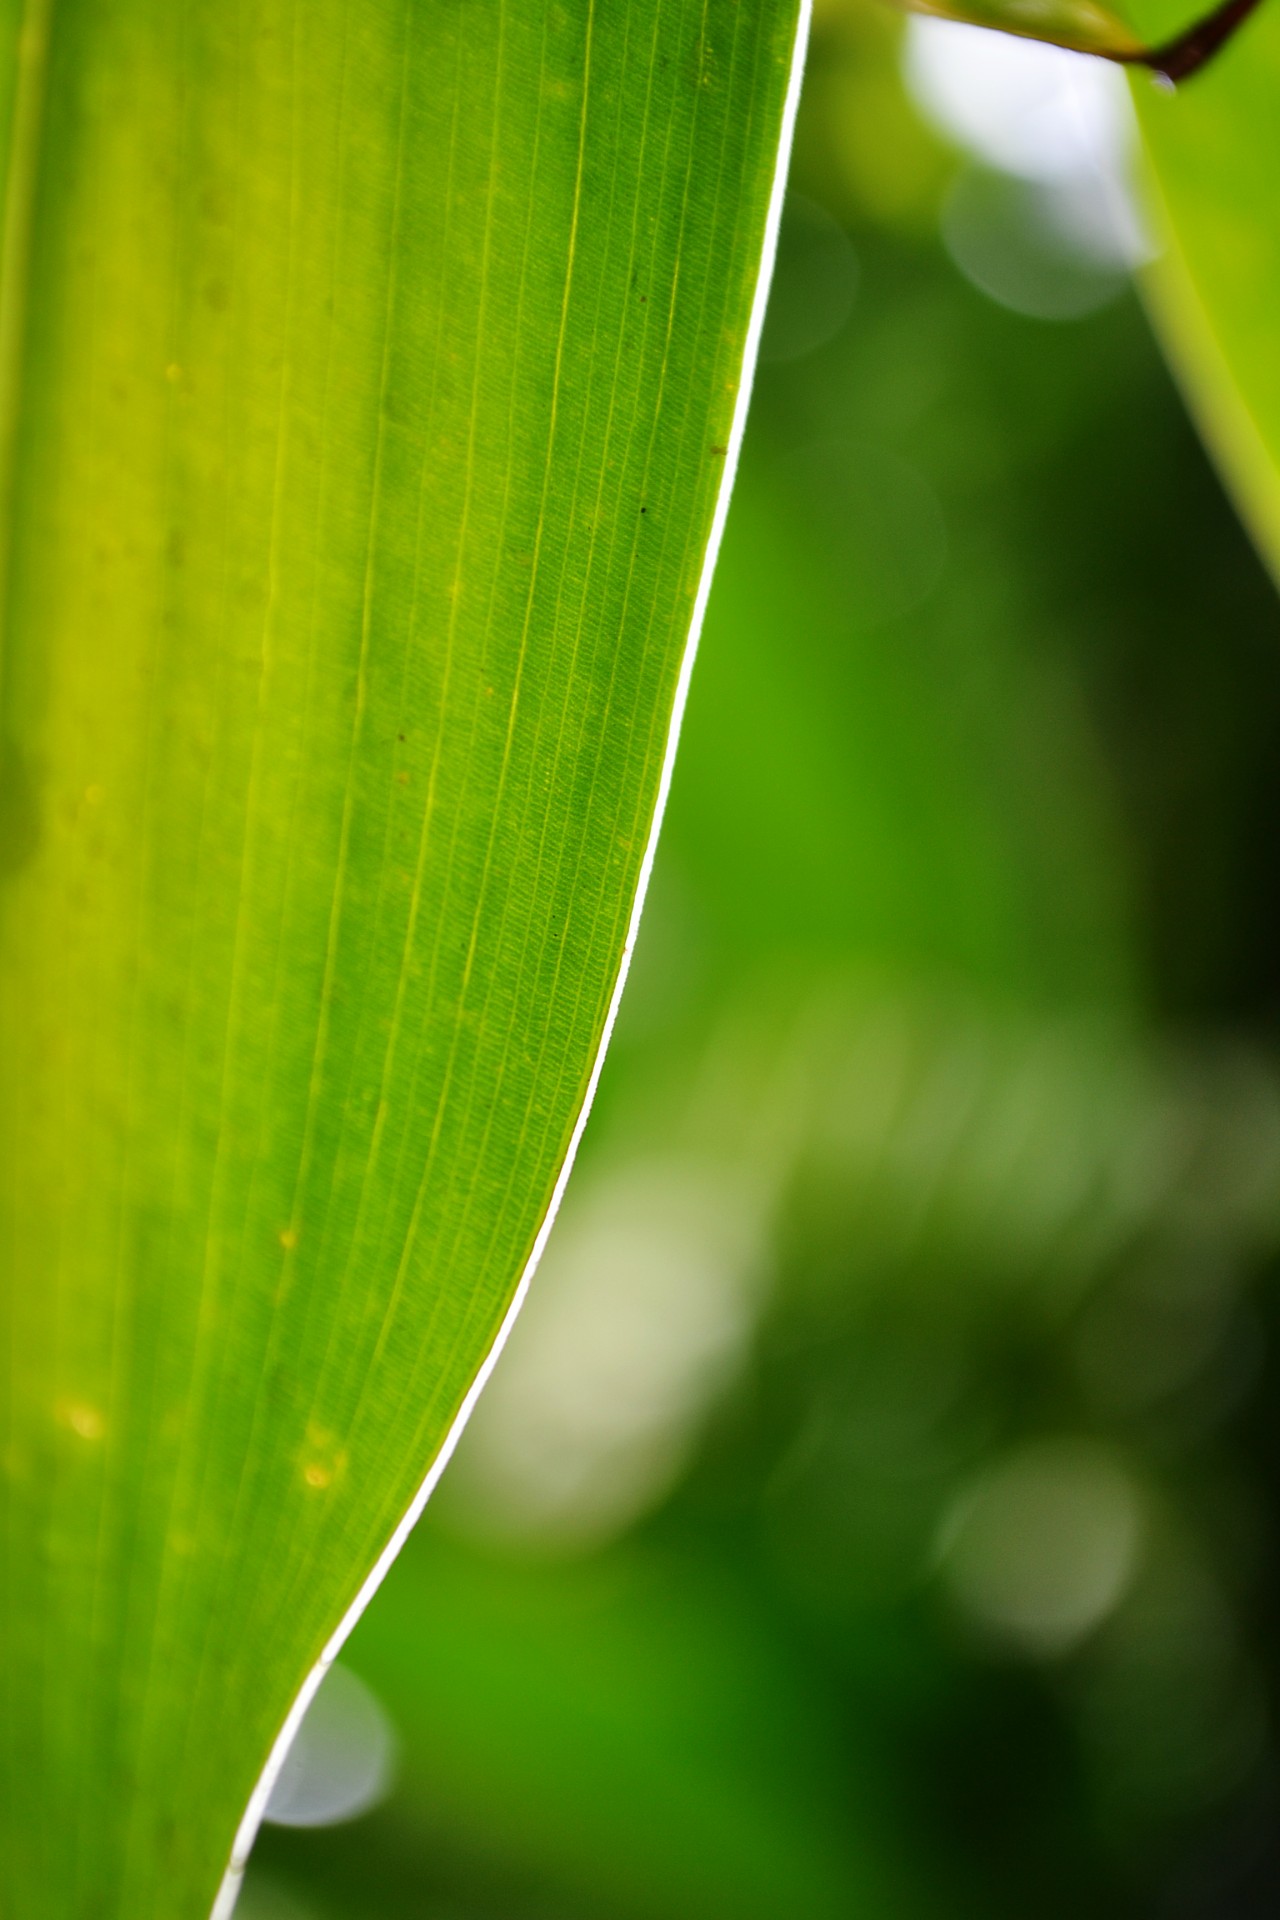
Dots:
pixel 1214 168
pixel 369 374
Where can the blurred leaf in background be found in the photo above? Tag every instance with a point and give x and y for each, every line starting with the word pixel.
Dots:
pixel 1214 291
pixel 876 1511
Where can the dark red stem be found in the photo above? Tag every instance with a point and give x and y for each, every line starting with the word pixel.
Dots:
pixel 1187 52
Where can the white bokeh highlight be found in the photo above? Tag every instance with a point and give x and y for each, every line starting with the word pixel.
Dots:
pixel 643 1310
pixel 1040 1549
pixel 342 1760
pixel 1018 105
pixel 1059 127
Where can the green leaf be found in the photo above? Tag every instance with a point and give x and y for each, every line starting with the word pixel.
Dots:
pixel 369 379
pixel 1215 294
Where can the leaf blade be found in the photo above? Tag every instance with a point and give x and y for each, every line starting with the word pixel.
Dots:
pixel 346 743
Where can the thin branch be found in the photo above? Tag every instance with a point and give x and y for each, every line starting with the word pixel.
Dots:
pixel 1187 52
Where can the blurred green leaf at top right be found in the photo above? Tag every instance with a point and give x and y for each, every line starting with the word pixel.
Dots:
pixel 1211 175
pixel 1214 294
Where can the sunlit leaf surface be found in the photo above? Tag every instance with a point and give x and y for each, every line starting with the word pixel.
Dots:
pixel 367 375
pixel 1216 293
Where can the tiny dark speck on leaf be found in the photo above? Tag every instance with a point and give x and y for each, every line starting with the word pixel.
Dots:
pixel 720 453
pixel 399 736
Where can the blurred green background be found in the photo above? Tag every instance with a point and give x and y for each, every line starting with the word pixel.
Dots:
pixel 875 1512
